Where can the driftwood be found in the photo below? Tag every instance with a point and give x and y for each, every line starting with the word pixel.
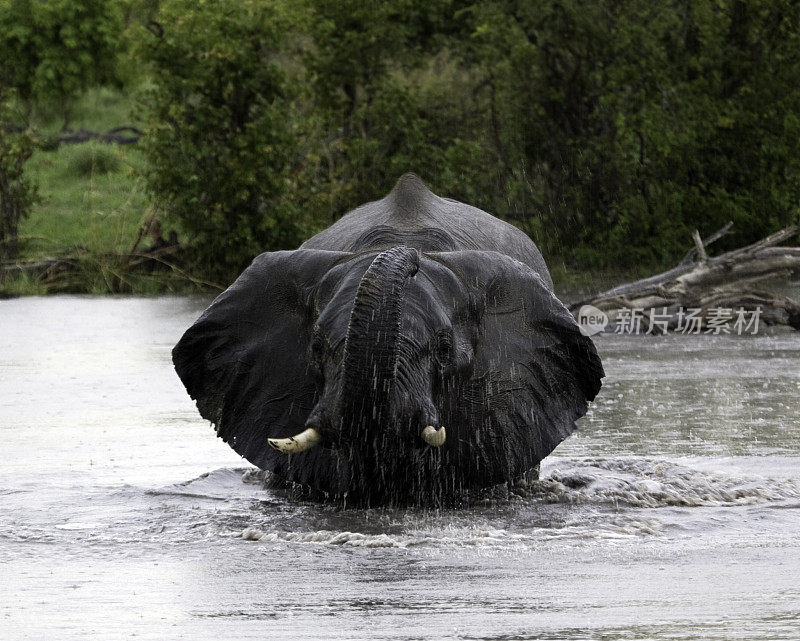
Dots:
pixel 708 288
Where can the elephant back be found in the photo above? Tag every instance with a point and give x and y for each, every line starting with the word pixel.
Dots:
pixel 412 215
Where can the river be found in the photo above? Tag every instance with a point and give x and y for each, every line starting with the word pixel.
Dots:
pixel 674 512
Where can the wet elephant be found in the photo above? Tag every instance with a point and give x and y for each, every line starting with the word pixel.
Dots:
pixel 409 351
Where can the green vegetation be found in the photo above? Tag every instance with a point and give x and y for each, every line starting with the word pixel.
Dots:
pixel 51 51
pixel 91 197
pixel 219 135
pixel 93 159
pixel 17 191
pixel 606 130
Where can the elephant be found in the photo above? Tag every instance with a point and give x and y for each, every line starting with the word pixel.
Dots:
pixel 409 352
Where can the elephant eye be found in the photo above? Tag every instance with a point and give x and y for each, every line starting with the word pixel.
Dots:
pixel 317 347
pixel 444 347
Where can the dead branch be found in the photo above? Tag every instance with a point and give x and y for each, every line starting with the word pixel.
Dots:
pixel 726 281
pixel 692 254
pixel 66 273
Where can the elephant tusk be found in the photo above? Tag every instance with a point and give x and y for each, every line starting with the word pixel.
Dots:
pixel 305 440
pixel 434 437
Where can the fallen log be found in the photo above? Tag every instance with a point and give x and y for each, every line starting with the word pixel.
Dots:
pixel 710 288
pixel 126 135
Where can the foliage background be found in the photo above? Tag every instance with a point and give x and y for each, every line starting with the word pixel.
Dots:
pixel 606 129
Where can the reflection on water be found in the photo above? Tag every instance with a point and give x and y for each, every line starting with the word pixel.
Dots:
pixel 673 513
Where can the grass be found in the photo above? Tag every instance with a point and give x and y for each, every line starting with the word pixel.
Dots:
pixel 92 196
pixel 94 158
pixel 22 285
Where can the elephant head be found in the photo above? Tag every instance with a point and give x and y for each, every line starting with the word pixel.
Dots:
pixel 390 375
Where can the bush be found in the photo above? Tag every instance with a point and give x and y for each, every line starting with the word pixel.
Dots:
pixel 219 139
pixel 371 120
pixel 92 158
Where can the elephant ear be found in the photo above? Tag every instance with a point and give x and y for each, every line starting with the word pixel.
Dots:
pixel 245 360
pixel 534 371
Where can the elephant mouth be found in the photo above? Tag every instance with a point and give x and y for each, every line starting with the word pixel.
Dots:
pixel 418 475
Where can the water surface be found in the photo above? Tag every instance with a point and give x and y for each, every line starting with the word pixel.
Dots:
pixel 673 513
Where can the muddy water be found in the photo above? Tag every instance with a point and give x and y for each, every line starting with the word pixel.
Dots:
pixel 673 514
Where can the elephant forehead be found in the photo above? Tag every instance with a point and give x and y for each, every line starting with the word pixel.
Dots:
pixel 341 281
pixel 431 296
pixel 426 306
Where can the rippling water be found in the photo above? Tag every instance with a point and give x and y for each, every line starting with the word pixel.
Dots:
pixel 673 514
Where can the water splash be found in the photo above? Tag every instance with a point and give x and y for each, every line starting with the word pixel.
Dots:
pixel 653 483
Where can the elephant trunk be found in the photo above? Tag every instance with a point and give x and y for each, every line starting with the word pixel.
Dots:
pixel 371 347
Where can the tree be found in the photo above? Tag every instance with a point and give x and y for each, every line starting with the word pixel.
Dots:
pixel 17 192
pixel 370 119
pixel 621 126
pixel 608 130
pixel 220 135
pixel 51 51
